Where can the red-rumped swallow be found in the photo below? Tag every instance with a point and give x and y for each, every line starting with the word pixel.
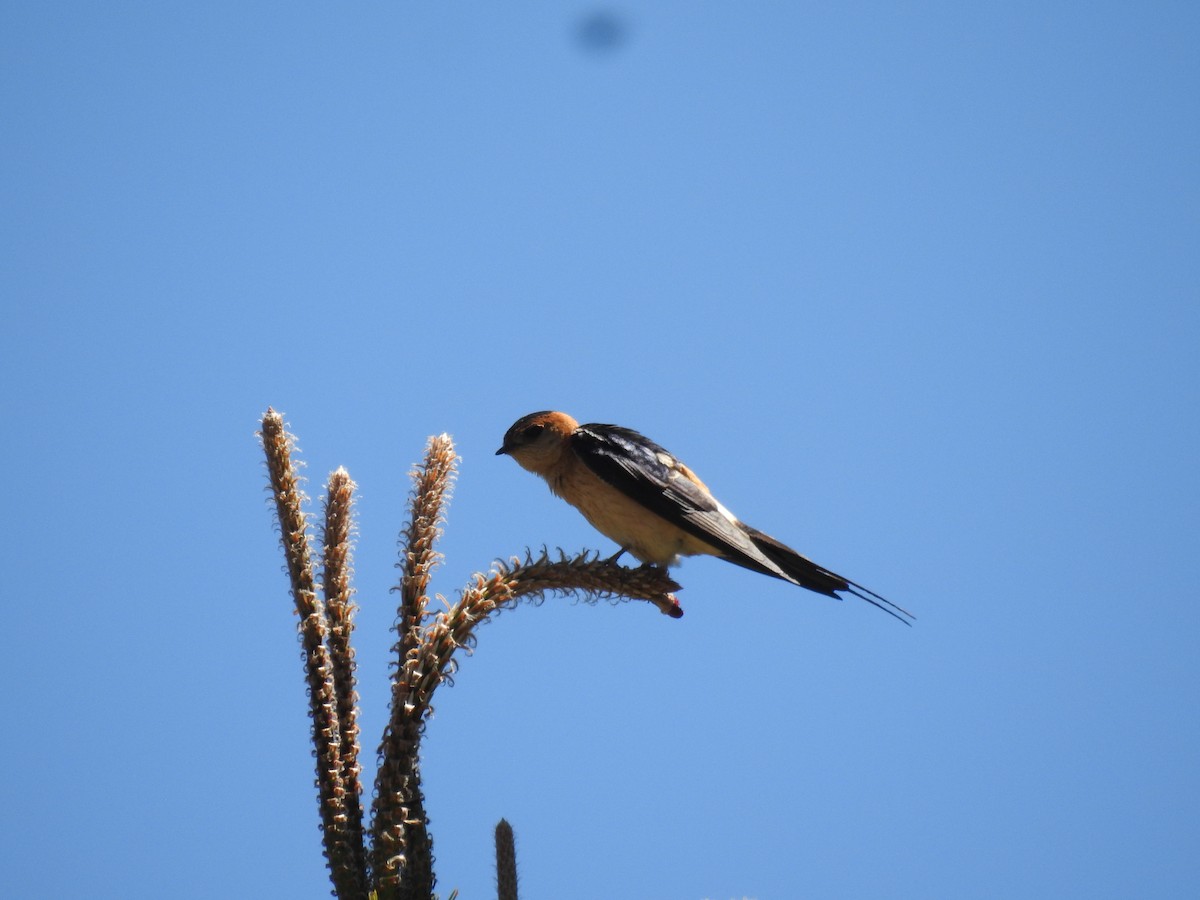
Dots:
pixel 639 495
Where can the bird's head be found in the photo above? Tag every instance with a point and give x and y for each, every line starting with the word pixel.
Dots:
pixel 537 441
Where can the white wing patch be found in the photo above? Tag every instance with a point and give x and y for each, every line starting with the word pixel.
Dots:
pixel 726 513
pixel 675 465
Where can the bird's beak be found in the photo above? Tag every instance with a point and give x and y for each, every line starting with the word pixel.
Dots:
pixel 502 451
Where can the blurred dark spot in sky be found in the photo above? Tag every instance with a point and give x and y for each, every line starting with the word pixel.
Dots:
pixel 601 32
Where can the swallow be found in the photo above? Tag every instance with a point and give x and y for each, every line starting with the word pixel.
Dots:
pixel 653 506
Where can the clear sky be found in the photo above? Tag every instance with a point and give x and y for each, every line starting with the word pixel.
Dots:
pixel 915 288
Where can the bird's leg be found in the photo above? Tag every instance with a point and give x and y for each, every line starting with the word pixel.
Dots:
pixel 613 559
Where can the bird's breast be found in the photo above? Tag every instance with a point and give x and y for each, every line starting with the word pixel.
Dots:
pixel 647 536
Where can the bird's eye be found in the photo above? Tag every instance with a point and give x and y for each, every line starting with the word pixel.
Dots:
pixel 532 431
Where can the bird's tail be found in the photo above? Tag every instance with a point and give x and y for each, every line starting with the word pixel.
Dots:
pixel 806 573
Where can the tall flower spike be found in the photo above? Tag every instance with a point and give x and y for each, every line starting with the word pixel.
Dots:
pixel 433 482
pixel 339 613
pixel 348 876
pixel 402 849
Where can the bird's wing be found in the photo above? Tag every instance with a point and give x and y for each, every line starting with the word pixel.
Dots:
pixel 651 476
pixel 648 474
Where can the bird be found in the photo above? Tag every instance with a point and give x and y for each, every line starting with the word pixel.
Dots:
pixel 654 507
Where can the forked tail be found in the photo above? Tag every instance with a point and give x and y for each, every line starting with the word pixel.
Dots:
pixel 806 573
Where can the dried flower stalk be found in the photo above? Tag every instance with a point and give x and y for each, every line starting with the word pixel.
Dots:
pixel 337 543
pixel 402 848
pixel 593 579
pixel 345 869
pixel 506 862
pixel 400 865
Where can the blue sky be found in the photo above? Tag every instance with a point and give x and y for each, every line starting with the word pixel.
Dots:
pixel 914 289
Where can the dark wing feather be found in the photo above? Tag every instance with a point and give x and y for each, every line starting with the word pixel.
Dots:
pixel 647 473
